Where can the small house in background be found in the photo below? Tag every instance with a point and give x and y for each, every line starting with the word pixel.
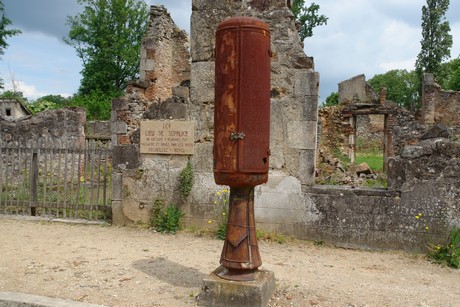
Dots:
pixel 13 109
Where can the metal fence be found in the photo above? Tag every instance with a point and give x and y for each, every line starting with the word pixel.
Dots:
pixel 56 180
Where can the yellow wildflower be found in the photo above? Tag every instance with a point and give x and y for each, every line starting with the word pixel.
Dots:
pixel 209 222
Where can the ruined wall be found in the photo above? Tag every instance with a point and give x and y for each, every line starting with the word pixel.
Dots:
pixel 164 56
pixel 294 99
pixel 439 106
pixel 356 90
pixel 161 93
pixel 63 127
pixel 140 179
pixel 288 203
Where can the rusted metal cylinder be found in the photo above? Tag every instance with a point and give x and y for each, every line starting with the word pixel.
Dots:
pixel 240 254
pixel 242 102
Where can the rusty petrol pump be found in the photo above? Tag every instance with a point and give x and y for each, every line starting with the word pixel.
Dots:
pixel 241 135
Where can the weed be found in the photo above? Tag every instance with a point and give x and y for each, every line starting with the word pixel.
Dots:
pixel 448 254
pixel 186 180
pixel 271 236
pixel 318 242
pixel 221 201
pixel 165 219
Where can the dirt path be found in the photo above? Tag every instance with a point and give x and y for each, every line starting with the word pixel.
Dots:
pixel 136 267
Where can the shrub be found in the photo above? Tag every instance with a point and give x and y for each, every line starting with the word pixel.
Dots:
pixel 450 253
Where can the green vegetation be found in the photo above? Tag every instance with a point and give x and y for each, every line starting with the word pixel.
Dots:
pixel 370 152
pixel 221 202
pixel 165 219
pixel 5 33
pixel 448 254
pixel 375 161
pixel 107 37
pixel 331 100
pixel 308 17
pixel 272 236
pixel 402 86
pixel 436 39
pixel 186 180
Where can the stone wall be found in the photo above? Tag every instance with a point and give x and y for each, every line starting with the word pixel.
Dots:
pixel 438 105
pixel 294 97
pixel 289 203
pixel 294 92
pixel 161 93
pixel 164 56
pixel 356 90
pixel 63 127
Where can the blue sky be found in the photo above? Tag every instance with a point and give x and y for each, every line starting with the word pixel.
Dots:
pixel 362 36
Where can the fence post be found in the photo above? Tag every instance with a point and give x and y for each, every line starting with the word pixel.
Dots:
pixel 34 184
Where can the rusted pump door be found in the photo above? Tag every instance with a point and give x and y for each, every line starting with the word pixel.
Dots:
pixel 242 102
pixel 241 134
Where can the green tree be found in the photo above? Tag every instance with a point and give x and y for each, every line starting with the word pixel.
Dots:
pixel 436 39
pixel 97 104
pixel 332 100
pixel 451 75
pixel 107 36
pixel 4 32
pixel 15 95
pixel 308 17
pixel 402 86
pixel 49 102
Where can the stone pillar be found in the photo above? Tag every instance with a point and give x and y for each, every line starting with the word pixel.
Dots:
pixel 164 55
pixel 428 107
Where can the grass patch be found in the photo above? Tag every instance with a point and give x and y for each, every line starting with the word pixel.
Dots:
pixel 374 160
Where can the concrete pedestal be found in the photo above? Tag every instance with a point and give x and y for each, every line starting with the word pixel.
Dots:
pixel 217 291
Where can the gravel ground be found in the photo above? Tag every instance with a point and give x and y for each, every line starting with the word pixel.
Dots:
pixel 136 267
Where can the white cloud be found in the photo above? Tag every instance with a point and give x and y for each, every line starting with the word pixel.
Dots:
pixel 29 91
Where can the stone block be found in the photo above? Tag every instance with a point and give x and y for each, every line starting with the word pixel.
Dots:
pixel 307 166
pixel 118 217
pixel 120 104
pixel 219 292
pixel 202 82
pixel 116 186
pixel 310 108
pixel 181 91
pixel 306 83
pixel 125 157
pixel 302 134
pixel 119 127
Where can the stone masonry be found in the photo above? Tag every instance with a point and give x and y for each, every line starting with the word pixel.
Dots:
pixel 163 93
pixel 422 163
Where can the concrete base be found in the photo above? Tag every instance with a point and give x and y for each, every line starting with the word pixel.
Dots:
pixel 218 292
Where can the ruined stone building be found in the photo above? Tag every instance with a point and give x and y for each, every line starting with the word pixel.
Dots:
pixel 178 84
pixel 12 109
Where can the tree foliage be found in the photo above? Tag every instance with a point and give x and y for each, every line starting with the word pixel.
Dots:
pixel 4 32
pixel 436 39
pixel 402 86
pixel 49 102
pixel 308 17
pixel 97 103
pixel 107 36
pixel 450 75
pixel 332 100
pixel 14 95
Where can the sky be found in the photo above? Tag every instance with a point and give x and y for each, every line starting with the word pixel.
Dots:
pixel 361 37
